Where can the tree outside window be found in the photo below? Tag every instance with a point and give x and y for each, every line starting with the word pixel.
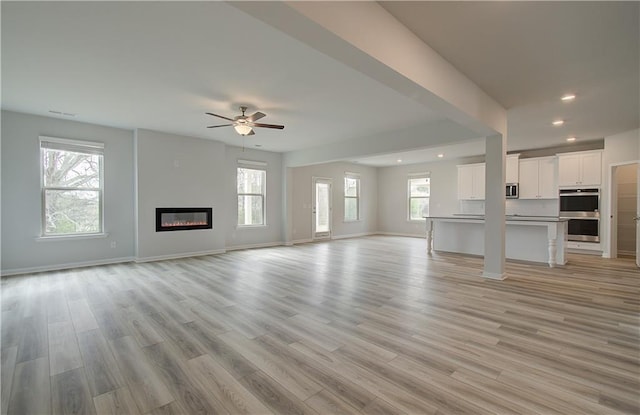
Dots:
pixel 251 194
pixel 419 192
pixel 71 187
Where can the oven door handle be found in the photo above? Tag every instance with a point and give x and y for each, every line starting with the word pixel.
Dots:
pixel 580 194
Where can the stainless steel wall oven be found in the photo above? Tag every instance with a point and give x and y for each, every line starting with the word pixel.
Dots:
pixel 582 208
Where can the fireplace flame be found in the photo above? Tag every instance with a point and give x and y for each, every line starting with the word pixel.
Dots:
pixel 183 223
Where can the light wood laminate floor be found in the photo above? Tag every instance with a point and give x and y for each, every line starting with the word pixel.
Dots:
pixel 371 325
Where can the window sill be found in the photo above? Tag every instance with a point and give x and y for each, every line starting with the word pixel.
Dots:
pixel 352 221
pixel 250 226
pixel 71 237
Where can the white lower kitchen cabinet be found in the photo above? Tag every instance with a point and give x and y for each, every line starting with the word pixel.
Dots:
pixel 536 239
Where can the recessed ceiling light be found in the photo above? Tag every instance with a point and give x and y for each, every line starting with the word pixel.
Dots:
pixel 568 97
pixel 558 122
pixel 440 155
pixel 399 160
pixel 570 139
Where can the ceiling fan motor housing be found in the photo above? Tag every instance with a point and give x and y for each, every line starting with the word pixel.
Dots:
pixel 244 124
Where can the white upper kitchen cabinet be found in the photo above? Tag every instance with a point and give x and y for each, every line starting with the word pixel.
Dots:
pixel 471 181
pixel 512 168
pixel 538 178
pixel 582 168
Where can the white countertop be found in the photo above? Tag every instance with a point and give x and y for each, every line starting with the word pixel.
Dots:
pixel 509 218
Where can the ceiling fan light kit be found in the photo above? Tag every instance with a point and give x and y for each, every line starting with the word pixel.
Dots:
pixel 243 129
pixel 244 124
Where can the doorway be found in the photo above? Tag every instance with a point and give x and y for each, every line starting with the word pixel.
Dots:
pixel 322 207
pixel 625 211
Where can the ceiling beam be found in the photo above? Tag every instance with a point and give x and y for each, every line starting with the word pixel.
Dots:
pixel 364 36
pixel 432 134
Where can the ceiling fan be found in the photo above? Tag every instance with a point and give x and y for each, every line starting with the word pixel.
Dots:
pixel 243 124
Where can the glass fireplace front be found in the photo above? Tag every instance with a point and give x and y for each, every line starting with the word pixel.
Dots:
pixel 183 219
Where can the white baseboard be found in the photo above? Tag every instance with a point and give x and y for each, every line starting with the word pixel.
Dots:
pixel 70 265
pixel 409 235
pixel 301 241
pixel 353 235
pixel 252 246
pixel 177 256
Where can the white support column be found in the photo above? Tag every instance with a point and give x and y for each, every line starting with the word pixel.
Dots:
pixel 495 226
pixel 287 203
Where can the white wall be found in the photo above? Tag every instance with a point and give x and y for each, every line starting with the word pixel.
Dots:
pixel 143 170
pixel 302 179
pixel 393 202
pixel 247 237
pixel 178 171
pixel 618 149
pixel 21 200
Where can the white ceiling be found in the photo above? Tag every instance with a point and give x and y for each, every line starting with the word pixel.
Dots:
pixel 425 155
pixel 162 65
pixel 527 54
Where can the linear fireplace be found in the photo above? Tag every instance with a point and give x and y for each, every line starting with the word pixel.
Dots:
pixel 183 219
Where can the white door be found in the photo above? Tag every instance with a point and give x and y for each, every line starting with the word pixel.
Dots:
pixel 465 182
pixel 591 169
pixel 528 179
pixel 547 188
pixel 569 170
pixel 479 181
pixel 321 220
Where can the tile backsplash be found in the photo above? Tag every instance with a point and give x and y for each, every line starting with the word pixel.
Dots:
pixel 523 207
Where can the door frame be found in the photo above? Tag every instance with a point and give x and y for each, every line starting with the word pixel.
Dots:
pixel 612 217
pixel 314 180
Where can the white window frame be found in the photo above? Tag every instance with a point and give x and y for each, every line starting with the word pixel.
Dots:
pixel 259 166
pixel 412 176
pixel 78 146
pixel 353 176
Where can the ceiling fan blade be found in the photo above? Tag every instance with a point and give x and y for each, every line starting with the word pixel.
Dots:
pixel 257 124
pixel 219 116
pixel 216 126
pixel 256 116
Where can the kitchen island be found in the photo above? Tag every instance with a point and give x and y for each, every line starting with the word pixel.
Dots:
pixel 528 238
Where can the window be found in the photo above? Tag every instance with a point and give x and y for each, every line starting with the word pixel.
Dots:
pixel 351 198
pixel 419 191
pixel 71 186
pixel 251 194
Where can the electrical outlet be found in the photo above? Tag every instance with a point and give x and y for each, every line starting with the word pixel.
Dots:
pixel 113 244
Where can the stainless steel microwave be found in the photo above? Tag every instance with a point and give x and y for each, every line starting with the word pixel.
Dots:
pixel 512 191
